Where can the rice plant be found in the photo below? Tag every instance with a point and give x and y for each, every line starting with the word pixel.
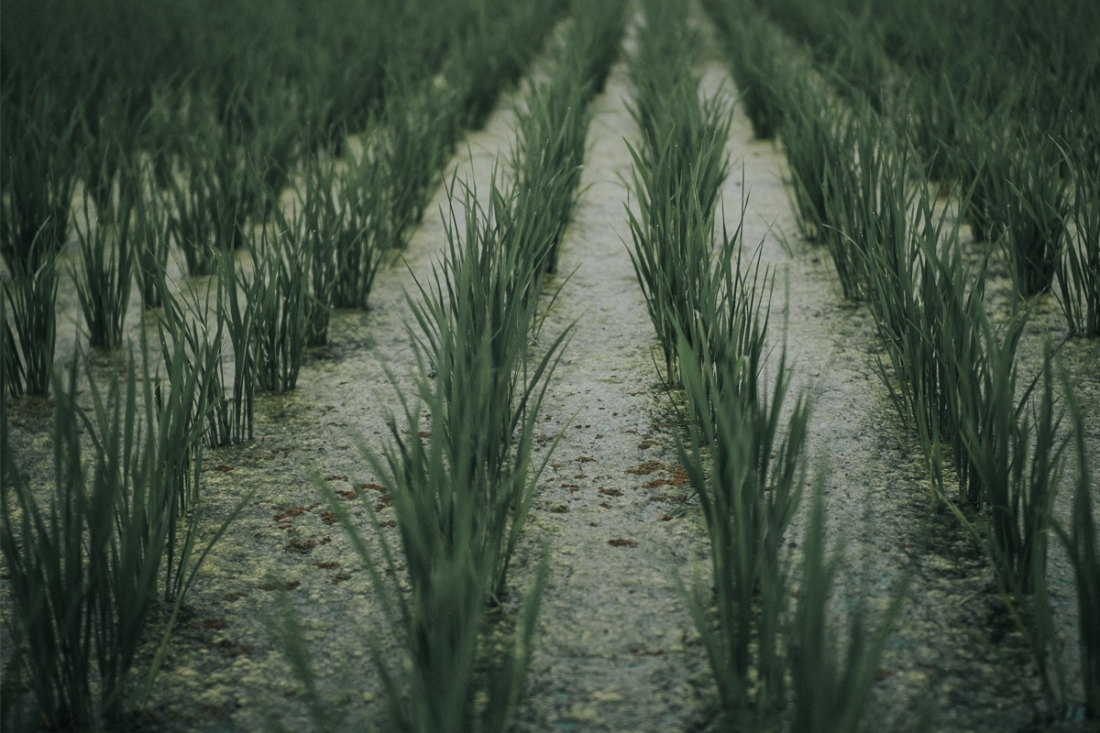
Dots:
pixel 1037 211
pixel 152 235
pixel 11 363
pixel 192 223
pixel 594 42
pixel 278 302
pixel 549 152
pixel 85 570
pixel 832 685
pixel 361 225
pixel 107 261
pixel 1018 461
pixel 202 326
pixel 320 223
pixel 867 198
pixel 671 254
pixel 812 142
pixel 1081 545
pixel 420 127
pixel 748 487
pixel 462 485
pixel 51 584
pixel 217 192
pixel 503 38
pixel 241 329
pixel 676 175
pixel 1078 274
pixel 37 179
pixel 475 318
pixel 31 295
pixel 982 162
pixel 751 46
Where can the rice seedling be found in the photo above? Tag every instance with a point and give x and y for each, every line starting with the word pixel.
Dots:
pixel 811 135
pixel 151 239
pixel 202 326
pixel 461 485
pixel 85 570
pixel 51 584
pixel 981 160
pixel 353 214
pixel 107 261
pixel 751 46
pixel 108 138
pixel 474 319
pixel 549 152
pixel 420 127
pixel 594 42
pixel 278 302
pixel 214 197
pixel 676 179
pixel 191 222
pixel 37 180
pixel 672 250
pixel 318 214
pixel 867 198
pixel 451 541
pixel 241 329
pixel 11 365
pixel 32 294
pixel 1078 273
pixel 503 38
pixel 1080 543
pixel 748 489
pixel 1037 211
pixel 1017 461
pixel 832 687
pixel 929 322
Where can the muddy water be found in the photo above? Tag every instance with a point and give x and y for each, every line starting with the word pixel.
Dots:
pixel 615 649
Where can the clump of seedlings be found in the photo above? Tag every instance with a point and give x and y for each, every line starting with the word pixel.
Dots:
pixel 462 484
pixel 1084 552
pixel 107 261
pixel 37 180
pixel 676 176
pixel 1078 274
pixel 278 301
pixel 753 49
pixel 85 570
pixel 151 239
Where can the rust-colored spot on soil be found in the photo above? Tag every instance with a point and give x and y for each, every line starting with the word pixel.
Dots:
pixel 619 542
pixel 646 467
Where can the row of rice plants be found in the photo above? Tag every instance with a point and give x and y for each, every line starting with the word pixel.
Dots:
pixel 462 484
pixel 773 661
pixel 86 89
pixel 86 569
pixel 951 373
pixel 676 175
pixel 1026 161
